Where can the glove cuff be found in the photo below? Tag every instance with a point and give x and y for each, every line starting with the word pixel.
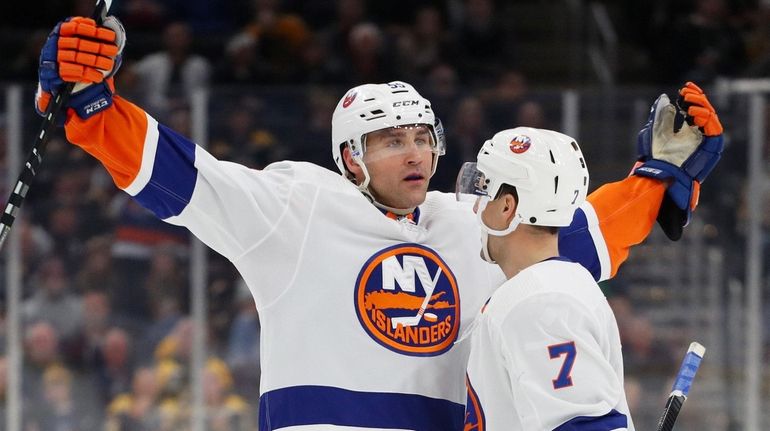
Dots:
pixel 680 188
pixel 92 100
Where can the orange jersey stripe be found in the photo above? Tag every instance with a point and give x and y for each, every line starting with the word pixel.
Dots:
pixel 119 147
pixel 627 211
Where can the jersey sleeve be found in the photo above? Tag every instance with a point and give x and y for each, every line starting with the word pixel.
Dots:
pixel 555 355
pixel 613 219
pixel 229 207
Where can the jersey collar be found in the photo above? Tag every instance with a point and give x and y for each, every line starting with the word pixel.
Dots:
pixel 413 216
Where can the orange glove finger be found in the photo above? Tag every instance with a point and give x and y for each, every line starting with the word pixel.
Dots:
pixel 699 100
pixel 84 45
pixel 71 72
pixel 85 59
pixel 86 27
pixel 706 119
pixel 689 85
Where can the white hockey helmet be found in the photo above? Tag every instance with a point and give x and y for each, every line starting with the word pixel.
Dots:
pixel 547 169
pixel 371 107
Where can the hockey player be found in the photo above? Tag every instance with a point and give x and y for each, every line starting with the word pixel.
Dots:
pixel 363 281
pixel 545 351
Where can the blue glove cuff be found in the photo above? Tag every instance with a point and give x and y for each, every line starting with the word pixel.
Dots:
pixel 679 190
pixel 91 100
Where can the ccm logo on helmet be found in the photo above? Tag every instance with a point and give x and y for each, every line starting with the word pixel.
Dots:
pixel 520 144
pixel 406 299
pixel 349 98
pixel 406 103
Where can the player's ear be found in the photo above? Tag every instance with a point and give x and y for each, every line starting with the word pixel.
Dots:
pixel 351 164
pixel 509 206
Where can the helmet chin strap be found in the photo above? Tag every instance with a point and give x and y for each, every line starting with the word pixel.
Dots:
pixel 486 230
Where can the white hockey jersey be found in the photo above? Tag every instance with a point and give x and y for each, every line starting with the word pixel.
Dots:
pixel 361 314
pixel 546 356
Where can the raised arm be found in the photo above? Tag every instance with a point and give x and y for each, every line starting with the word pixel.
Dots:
pixel 678 147
pixel 227 206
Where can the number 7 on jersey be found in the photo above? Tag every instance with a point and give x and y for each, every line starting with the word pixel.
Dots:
pixel 564 379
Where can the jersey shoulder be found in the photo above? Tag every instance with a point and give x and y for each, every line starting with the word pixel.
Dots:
pixel 445 206
pixel 552 284
pixel 310 173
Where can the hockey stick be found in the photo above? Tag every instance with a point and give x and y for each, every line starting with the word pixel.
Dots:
pixel 414 320
pixel 681 387
pixel 35 158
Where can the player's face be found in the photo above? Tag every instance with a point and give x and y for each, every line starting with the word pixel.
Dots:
pixel 399 161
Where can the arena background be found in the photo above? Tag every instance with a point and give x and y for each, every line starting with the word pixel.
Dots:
pixel 108 310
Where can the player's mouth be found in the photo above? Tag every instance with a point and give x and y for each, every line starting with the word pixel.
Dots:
pixel 414 178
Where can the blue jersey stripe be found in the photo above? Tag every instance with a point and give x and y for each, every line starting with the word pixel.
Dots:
pixel 173 175
pixel 611 421
pixel 576 244
pixel 308 405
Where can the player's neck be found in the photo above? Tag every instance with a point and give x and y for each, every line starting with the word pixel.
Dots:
pixel 525 247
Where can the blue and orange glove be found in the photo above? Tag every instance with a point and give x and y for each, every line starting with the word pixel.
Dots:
pixel 680 143
pixel 78 50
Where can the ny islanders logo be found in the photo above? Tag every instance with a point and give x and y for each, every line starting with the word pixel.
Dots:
pixel 406 299
pixel 520 144
pixel 349 98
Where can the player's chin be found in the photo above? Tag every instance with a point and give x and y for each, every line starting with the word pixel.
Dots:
pixel 415 194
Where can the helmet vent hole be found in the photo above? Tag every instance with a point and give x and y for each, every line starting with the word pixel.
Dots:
pixel 377 113
pixel 582 163
pixel 419 115
pixel 585 181
pixel 398 117
pixel 555 185
pixel 362 115
pixel 552 159
pixel 369 99
pixel 533 219
pixel 574 146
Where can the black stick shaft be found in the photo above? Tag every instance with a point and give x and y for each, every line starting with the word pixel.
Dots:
pixel 35 158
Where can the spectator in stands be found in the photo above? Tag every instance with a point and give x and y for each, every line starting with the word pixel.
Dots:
pixel 336 34
pixel 96 272
pixel 241 63
pixel 225 411
pixel 138 409
pixel 41 349
pixel 83 349
pixel 60 410
pixel 483 45
pixel 53 300
pixel 366 58
pixel 504 98
pixel 115 372
pixel 468 132
pixel 429 40
pixel 282 37
pixel 531 114
pixel 443 87
pixel 174 72
pixel 251 143
pixel 167 278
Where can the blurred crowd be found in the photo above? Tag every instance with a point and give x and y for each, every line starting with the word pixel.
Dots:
pixel 106 326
